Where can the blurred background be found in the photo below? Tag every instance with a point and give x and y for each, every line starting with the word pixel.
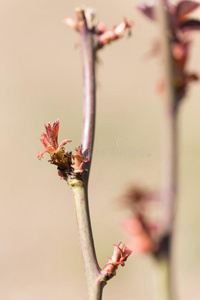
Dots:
pixel 41 80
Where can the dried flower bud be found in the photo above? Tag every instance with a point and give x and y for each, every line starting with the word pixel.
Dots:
pixel 120 255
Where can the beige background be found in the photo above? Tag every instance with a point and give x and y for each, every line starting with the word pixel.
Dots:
pixel 40 81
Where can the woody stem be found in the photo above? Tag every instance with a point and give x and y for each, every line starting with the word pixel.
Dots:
pixel 170 146
pixel 89 85
pixel 80 187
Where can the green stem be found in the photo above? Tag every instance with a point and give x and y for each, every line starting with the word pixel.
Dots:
pixel 91 266
pixel 162 268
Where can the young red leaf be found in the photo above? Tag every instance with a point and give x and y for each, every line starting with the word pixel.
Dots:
pixel 185 7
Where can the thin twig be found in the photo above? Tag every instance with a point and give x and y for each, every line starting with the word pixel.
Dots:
pixel 80 188
pixel 89 103
pixel 95 280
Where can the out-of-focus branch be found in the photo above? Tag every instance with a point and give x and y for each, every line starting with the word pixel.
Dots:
pixel 169 157
pixel 169 160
